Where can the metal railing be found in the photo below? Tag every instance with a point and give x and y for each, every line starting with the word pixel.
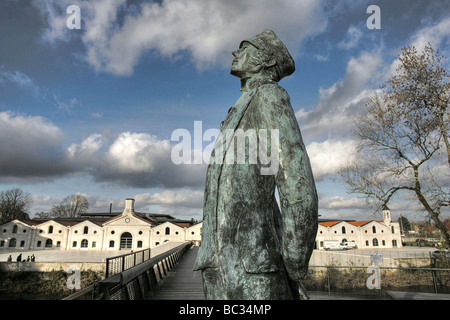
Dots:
pixel 133 283
pixel 118 264
pixel 375 282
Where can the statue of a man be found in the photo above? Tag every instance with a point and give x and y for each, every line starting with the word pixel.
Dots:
pixel 250 248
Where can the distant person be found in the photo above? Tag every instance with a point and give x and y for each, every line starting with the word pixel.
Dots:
pixel 9 258
pixel 33 258
pixel 19 258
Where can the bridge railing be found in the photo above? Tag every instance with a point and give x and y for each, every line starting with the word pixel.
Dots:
pixel 134 283
pixel 118 264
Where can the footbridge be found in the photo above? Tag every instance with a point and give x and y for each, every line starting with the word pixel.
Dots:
pixel 137 276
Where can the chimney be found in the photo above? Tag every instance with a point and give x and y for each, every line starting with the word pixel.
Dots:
pixel 129 206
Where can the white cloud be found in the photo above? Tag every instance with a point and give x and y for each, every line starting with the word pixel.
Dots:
pixel 434 34
pixel 352 38
pixel 116 35
pixel 182 198
pixel 19 79
pixel 133 159
pixel 326 157
pixel 343 203
pixel 332 116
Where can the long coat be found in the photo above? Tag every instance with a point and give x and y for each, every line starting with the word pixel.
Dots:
pixel 255 248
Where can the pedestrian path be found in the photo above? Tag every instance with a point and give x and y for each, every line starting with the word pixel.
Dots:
pixel 182 282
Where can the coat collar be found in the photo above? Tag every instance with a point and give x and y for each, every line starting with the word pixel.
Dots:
pixel 250 84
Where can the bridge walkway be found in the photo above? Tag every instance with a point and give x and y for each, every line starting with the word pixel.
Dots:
pixel 182 283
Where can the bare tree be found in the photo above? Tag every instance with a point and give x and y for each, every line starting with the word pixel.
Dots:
pixel 13 204
pixel 71 206
pixel 402 135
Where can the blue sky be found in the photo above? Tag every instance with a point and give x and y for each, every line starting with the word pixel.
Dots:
pixel 92 111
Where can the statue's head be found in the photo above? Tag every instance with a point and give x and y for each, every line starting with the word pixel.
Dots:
pixel 263 54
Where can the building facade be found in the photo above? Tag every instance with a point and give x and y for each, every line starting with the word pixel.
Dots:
pixel 135 231
pixel 366 234
pixel 105 231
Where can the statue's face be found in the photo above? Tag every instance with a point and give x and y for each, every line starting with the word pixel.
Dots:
pixel 245 63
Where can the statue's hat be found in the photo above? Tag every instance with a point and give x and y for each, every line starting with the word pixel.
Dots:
pixel 269 42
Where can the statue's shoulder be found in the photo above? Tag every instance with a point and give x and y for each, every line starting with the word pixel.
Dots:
pixel 272 91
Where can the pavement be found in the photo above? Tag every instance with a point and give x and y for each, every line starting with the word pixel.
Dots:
pixel 56 255
pixel 62 255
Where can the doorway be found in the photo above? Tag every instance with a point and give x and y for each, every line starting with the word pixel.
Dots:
pixel 126 240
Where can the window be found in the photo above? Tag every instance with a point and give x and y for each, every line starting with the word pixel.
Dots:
pixel 111 243
pixel 383 243
pixel 167 230
pixel 375 242
pixel 367 243
pixel 85 230
pixel 12 243
pixel 394 243
pixel 74 244
pixel 48 243
pixel 392 229
pixel 84 243
pixel 343 230
pixel 94 244
pixel 374 229
pixel 126 240
pixel 58 244
pixel 139 244
pixel 38 244
pixel 2 243
pixel 50 229
pixel 15 229
pixel 22 243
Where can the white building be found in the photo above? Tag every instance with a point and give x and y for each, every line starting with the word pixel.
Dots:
pixel 366 234
pixel 135 231
pixel 101 231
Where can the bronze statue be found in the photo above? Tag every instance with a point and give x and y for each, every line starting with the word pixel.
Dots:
pixel 250 248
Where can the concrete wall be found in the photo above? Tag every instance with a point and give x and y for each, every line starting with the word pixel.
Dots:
pixel 51 266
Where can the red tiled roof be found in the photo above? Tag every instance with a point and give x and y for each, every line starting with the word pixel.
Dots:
pixel 329 223
pixel 355 223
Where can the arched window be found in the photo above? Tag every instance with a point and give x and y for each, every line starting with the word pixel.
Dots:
pixel 85 230
pixel 84 243
pixel 48 243
pixel 375 242
pixel 15 229
pixel 12 243
pixel 126 240
pixel 343 230
pixel 50 229
pixel 167 230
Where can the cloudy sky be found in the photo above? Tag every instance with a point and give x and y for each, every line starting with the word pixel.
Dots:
pixel 92 110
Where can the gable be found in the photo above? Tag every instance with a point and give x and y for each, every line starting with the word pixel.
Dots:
pixel 168 224
pixel 127 220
